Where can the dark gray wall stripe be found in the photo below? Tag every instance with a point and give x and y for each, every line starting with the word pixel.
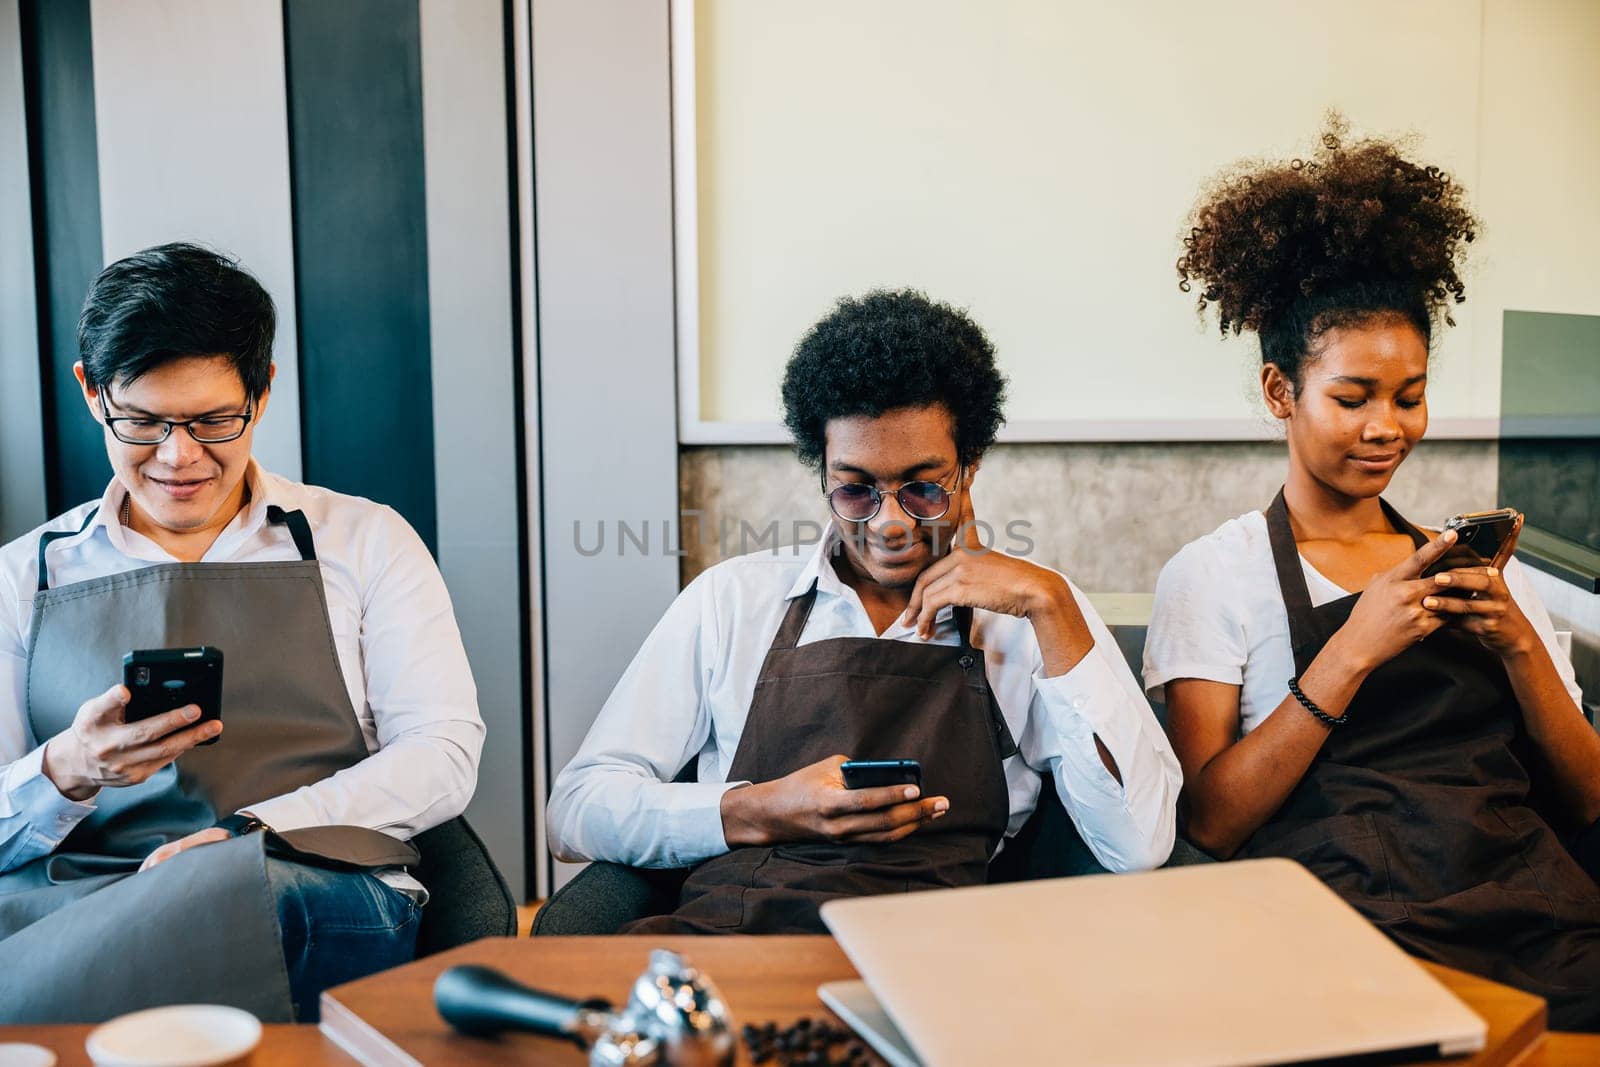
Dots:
pixel 58 69
pixel 361 258
pixel 22 503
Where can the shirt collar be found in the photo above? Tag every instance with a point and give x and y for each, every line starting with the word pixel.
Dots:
pixel 265 489
pixel 819 570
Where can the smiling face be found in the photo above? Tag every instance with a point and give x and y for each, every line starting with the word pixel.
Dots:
pixel 180 485
pixel 1360 407
pixel 904 445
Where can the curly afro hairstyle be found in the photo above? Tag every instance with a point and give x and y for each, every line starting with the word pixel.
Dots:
pixel 1353 234
pixel 887 350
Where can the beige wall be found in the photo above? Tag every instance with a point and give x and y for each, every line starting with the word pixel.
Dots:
pixel 1108 515
pixel 1034 160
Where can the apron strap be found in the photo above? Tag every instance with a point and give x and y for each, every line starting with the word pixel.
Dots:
pixel 1398 521
pixel 299 529
pixel 963 620
pixel 46 539
pixel 1303 629
pixel 794 620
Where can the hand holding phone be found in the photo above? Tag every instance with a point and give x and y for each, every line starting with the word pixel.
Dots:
pixel 1483 539
pixel 814 803
pixel 102 750
pixel 872 773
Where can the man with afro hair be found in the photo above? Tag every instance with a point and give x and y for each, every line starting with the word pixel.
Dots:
pixel 898 637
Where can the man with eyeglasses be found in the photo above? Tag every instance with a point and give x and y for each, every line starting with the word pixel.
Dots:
pixel 137 867
pixel 899 637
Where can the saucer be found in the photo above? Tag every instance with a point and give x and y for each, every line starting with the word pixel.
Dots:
pixel 182 1035
pixel 16 1054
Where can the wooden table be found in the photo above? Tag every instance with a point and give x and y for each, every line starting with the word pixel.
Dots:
pixel 769 978
pixel 388 1019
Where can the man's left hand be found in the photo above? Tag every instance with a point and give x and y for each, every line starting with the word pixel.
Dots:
pixel 972 575
pixel 200 837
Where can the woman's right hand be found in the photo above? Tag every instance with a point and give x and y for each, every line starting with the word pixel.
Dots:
pixel 1389 617
pixel 101 749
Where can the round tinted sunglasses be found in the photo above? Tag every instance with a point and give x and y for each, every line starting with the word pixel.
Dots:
pixel 859 501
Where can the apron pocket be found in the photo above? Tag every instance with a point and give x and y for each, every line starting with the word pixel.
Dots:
pixel 1346 853
pixel 1568 891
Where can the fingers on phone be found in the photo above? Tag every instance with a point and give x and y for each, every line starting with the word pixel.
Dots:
pixel 891 824
pixel 1467 580
pixel 158 726
pixel 1429 552
pixel 873 799
pixel 1459 605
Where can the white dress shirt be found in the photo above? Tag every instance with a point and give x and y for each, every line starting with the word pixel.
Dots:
pixel 1219 616
pixel 393 629
pixel 688 691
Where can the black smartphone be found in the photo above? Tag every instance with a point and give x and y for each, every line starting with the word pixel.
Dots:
pixel 161 679
pixel 1483 539
pixel 872 773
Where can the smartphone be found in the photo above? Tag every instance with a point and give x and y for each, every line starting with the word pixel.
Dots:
pixel 161 679
pixel 872 773
pixel 1483 539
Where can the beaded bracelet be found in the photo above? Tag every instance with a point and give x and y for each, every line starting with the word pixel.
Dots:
pixel 1322 716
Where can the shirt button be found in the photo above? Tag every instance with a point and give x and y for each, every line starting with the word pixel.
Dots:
pixel 1079 701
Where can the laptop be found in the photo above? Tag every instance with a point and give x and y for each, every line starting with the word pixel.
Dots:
pixel 1243 963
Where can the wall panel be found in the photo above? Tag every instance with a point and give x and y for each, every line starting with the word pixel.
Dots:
pixel 22 496
pixel 195 147
pixel 361 251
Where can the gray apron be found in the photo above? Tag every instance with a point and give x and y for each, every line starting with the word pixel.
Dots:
pixel 82 936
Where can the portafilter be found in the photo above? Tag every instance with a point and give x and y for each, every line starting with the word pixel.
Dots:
pixel 674 1016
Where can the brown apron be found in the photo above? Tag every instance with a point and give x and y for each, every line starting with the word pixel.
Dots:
pixel 871 699
pixel 1418 811
pixel 82 936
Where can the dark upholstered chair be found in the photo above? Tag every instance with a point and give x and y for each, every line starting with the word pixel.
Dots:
pixel 467 896
pixel 604 896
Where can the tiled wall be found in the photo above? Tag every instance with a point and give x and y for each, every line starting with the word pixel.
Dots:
pixel 1108 515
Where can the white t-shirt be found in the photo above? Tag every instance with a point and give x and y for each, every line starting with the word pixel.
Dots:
pixel 1219 615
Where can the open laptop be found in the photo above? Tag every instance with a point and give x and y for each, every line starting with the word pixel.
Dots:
pixel 1243 963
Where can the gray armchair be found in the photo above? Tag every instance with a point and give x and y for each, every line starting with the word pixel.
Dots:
pixel 467 896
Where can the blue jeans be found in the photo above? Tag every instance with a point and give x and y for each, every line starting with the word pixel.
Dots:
pixel 338 926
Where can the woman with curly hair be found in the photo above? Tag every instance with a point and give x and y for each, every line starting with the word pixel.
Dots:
pixel 1416 742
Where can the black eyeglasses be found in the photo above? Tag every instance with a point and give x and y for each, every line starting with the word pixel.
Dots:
pixel 859 502
pixel 208 430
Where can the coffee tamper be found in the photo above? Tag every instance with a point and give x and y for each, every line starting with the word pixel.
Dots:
pixel 674 1016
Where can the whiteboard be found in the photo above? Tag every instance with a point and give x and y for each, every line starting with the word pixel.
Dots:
pixel 1034 162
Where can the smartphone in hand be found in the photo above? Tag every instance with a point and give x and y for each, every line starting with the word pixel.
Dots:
pixel 1483 539
pixel 870 774
pixel 162 679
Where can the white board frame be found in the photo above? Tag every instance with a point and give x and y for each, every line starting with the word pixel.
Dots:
pixel 693 429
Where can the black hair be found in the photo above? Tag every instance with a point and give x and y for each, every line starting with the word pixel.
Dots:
pixel 887 350
pixel 171 302
pixel 1355 234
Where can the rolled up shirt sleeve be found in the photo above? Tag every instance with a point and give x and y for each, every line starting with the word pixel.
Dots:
pixel 616 800
pixel 1129 826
